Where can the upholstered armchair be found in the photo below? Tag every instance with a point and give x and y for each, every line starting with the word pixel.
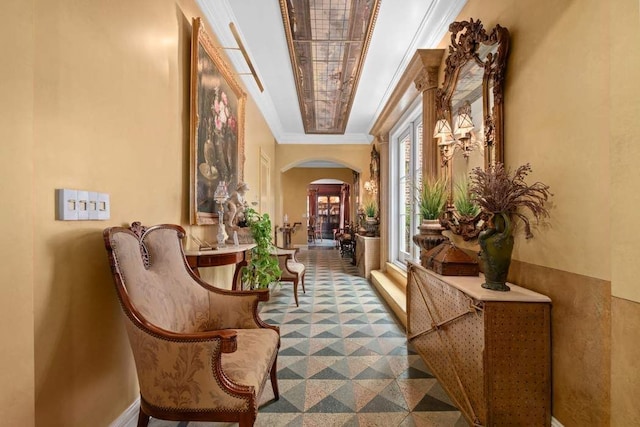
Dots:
pixel 201 353
pixel 292 270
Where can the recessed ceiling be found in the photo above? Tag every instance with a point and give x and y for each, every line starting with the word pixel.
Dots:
pixel 328 41
pixel 401 28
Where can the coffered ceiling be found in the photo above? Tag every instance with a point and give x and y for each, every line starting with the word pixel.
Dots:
pixel 346 115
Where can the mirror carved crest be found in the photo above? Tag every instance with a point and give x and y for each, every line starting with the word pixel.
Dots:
pixel 473 88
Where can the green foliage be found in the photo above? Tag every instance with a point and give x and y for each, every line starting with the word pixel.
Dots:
pixel 462 199
pixel 371 208
pixel 432 198
pixel 263 267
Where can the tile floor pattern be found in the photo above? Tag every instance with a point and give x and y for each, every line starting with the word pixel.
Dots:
pixel 344 361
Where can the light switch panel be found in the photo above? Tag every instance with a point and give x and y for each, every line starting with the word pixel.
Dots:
pixel 93 205
pixel 66 204
pixel 104 206
pixel 83 205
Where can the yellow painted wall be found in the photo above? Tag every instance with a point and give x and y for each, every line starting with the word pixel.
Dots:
pixel 624 125
pixel 294 189
pixel 571 108
pixel 17 394
pixel 556 118
pixel 96 97
pixel 354 156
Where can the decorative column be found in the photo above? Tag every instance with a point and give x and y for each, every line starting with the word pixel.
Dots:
pixel 383 194
pixel 427 83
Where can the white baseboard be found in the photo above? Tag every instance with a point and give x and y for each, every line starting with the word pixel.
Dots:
pixel 129 418
pixel 555 423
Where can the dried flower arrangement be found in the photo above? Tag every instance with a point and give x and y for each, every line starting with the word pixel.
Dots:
pixel 497 190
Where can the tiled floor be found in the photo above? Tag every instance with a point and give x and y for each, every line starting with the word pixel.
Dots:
pixel 344 360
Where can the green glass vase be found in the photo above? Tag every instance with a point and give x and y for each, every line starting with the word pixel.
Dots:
pixel 496 244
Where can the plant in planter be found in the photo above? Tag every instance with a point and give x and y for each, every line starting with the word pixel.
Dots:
pixel 463 220
pixel 370 208
pixel 504 196
pixel 465 206
pixel 431 198
pixel 370 223
pixel 263 268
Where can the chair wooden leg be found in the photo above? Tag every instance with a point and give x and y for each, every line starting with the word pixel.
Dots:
pixel 143 419
pixel 303 289
pixel 295 292
pixel 247 420
pixel 274 379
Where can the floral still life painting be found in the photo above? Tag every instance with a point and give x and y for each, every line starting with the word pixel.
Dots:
pixel 217 127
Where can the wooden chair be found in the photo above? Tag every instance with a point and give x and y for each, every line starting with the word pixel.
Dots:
pixel 292 270
pixel 201 353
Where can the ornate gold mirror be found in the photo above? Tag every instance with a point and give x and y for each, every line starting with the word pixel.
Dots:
pixel 469 109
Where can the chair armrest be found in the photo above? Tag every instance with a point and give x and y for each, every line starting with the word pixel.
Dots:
pixel 174 368
pixel 237 309
pixel 290 252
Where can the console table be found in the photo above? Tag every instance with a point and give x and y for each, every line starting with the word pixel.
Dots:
pixel 490 350
pixel 238 255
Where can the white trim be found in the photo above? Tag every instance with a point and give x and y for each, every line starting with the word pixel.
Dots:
pixel 411 115
pixel 129 418
pixel 555 423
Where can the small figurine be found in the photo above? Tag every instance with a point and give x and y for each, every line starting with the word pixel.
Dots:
pixel 236 205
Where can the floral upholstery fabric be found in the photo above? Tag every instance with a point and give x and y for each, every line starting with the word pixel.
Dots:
pixel 251 361
pixel 180 372
pixel 164 294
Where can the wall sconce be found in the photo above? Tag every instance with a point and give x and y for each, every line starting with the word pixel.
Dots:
pixel 462 139
pixel 371 187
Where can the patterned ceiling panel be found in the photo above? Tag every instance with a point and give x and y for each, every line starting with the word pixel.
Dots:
pixel 328 42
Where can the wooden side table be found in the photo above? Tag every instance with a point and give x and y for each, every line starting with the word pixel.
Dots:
pixel 238 255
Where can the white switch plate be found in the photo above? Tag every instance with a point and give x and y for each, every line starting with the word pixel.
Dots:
pixel 104 206
pixel 66 204
pixel 93 205
pixel 83 205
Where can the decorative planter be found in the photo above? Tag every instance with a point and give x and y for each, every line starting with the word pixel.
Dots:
pixel 429 237
pixel 371 226
pixel 496 244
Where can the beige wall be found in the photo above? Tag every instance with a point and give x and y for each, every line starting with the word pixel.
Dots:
pixel 354 156
pixel 294 195
pixel 571 108
pixel 555 118
pixel 96 98
pixel 624 126
pixel 17 395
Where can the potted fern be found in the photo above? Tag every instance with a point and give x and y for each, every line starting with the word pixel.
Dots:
pixel 505 197
pixel 370 209
pixel 263 268
pixel 371 221
pixel 464 218
pixel 431 198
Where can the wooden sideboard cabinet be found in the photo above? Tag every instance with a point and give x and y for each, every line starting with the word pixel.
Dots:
pixel 490 350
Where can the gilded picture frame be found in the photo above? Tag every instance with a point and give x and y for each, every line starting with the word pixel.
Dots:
pixel 217 127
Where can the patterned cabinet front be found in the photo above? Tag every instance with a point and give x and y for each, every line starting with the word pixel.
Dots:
pixel 490 350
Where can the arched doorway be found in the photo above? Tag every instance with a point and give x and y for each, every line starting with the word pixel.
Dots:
pixel 328 206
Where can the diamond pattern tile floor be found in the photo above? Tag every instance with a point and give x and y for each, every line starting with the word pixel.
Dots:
pixel 344 360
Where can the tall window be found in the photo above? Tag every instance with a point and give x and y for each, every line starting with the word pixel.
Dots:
pixel 406 178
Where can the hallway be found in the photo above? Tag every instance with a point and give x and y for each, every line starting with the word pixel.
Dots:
pixel 344 359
